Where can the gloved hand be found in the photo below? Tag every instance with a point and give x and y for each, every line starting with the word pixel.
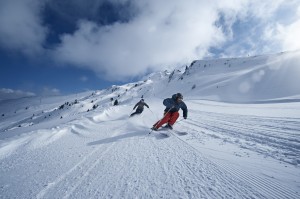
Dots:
pixel 184 118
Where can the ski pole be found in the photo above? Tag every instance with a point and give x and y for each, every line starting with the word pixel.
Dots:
pixel 151 111
pixel 131 112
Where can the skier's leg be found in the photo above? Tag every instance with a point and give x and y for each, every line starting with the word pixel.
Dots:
pixel 162 121
pixel 173 117
pixel 132 114
pixel 139 111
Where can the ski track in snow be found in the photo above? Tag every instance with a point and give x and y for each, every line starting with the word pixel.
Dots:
pixel 268 188
pixel 282 140
pixel 50 148
pixel 69 181
pixel 104 157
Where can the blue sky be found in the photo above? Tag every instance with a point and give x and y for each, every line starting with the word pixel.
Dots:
pixel 50 47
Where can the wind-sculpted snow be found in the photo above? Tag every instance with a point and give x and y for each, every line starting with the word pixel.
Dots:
pixel 34 140
pixel 112 113
pixel 220 153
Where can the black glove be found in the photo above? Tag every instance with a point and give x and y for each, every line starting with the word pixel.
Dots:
pixel 184 118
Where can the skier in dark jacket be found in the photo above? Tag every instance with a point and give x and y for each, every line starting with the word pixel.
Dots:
pixel 116 102
pixel 140 107
pixel 171 112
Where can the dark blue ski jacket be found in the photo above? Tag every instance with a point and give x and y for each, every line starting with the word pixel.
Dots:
pixel 172 106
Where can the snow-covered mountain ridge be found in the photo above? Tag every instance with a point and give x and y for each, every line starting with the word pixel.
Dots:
pixel 238 140
pixel 249 79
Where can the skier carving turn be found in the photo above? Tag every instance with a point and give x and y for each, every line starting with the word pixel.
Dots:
pixel 140 107
pixel 171 112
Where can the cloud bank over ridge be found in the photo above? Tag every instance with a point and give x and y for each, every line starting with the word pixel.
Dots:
pixel 142 36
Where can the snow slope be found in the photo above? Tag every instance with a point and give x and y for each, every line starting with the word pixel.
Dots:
pixel 241 138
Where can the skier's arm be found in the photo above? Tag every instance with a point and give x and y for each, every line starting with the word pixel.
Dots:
pixel 169 103
pixel 146 105
pixel 185 110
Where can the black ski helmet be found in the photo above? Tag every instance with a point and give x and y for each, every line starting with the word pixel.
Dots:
pixel 142 100
pixel 179 96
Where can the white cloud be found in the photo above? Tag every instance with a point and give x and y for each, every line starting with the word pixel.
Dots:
pixel 283 35
pixel 288 35
pixel 164 33
pixel 159 33
pixel 47 91
pixel 21 26
pixel 264 10
pixel 169 32
pixel 6 93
